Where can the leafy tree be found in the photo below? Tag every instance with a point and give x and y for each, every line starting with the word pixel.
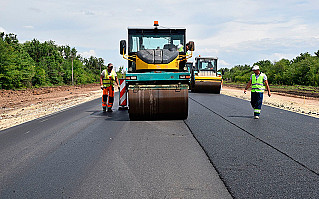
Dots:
pixel 11 38
pixel 36 63
pixel 277 72
pixel 120 73
pixel 66 51
pixel 16 66
pixel 302 70
pixel 301 57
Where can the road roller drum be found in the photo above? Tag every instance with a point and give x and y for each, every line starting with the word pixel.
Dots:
pixel 153 102
pixel 207 87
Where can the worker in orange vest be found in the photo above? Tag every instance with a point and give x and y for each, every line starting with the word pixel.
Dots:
pixel 107 85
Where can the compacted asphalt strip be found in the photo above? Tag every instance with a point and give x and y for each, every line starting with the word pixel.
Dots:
pixel 85 153
pixel 273 157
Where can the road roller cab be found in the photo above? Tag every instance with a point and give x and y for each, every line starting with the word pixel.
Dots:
pixel 157 77
pixel 204 75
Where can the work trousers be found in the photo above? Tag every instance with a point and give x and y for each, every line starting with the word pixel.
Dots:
pixel 108 97
pixel 256 102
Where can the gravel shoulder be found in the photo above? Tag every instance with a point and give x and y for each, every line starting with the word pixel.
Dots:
pixel 299 104
pixel 17 107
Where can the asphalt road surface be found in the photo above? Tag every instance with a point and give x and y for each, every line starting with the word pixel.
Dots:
pixel 220 151
pixel 276 156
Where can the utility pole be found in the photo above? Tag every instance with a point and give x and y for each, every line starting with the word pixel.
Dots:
pixel 72 70
pixel 73 55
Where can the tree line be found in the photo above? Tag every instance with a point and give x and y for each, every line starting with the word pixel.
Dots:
pixel 36 64
pixel 302 70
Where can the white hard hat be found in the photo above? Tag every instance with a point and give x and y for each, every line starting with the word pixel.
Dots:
pixel 255 67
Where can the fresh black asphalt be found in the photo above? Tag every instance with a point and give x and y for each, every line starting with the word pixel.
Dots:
pixel 84 153
pixel 276 156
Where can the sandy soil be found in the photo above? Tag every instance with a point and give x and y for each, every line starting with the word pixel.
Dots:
pixel 17 107
pixel 300 104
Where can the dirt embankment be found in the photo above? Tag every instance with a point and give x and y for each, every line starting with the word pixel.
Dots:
pixel 294 102
pixel 13 99
pixel 19 106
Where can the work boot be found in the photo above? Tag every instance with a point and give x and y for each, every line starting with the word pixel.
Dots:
pixel 109 110
pixel 256 117
pixel 104 109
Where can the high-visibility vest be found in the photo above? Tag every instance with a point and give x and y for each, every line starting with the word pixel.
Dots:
pixel 108 81
pixel 257 84
pixel 181 49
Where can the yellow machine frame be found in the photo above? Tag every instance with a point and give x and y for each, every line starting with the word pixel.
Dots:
pixel 207 78
pixel 141 65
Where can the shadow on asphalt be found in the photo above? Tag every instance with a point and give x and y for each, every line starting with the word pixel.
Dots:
pixel 116 115
pixel 122 115
pixel 241 116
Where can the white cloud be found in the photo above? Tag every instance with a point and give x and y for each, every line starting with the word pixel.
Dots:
pixel 28 27
pixel 2 30
pixel 88 12
pixel 233 33
pixel 88 54
pixel 278 56
pixel 223 64
pixel 237 32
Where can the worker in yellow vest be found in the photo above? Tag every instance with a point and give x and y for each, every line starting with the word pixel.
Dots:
pixel 107 85
pixel 258 81
pixel 180 48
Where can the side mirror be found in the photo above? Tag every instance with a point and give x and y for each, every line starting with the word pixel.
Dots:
pixel 191 46
pixel 122 47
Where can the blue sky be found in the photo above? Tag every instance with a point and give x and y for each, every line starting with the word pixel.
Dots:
pixel 238 32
